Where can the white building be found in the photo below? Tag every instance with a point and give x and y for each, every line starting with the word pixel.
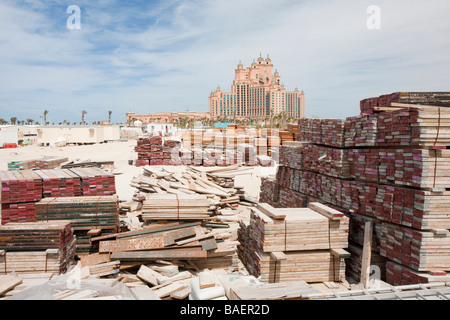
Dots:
pixel 162 129
pixel 15 134
pixel 78 134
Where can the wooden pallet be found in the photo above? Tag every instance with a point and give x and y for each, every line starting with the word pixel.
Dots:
pixel 51 260
pixel 94 212
pixel 175 207
pixel 300 229
pixel 34 236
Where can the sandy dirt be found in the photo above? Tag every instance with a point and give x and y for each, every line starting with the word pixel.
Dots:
pixel 120 153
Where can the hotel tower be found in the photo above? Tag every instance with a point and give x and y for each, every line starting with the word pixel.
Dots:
pixel 257 93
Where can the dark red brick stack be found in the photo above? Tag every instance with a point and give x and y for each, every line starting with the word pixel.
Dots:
pixel 152 151
pixel 19 192
pixel 370 105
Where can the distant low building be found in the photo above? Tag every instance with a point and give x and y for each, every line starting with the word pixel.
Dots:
pixel 162 129
pixel 25 134
pixel 167 117
pixel 78 134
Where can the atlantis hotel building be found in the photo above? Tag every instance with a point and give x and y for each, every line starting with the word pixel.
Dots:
pixel 257 93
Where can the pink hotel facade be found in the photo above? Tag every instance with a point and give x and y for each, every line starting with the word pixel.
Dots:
pixel 257 93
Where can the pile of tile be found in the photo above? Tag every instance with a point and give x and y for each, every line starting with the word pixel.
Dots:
pixel 149 151
pixel 384 102
pixel 95 181
pixel 33 164
pixel 60 183
pixel 395 174
pixel 20 190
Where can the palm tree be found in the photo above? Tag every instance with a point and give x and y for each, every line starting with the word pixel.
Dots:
pixel 13 120
pixel 283 118
pixel 3 121
pixel 182 122
pixel 45 116
pixel 109 116
pixel 82 116
pixel 30 121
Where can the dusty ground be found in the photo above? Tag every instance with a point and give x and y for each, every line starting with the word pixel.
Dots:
pixel 120 153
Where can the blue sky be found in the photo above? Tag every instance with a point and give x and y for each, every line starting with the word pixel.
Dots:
pixel 152 56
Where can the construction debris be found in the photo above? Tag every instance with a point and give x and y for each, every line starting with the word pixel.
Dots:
pixel 353 199
pixel 194 193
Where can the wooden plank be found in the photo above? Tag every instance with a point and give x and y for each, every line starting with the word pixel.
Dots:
pixel 178 277
pixel 63 294
pixel 271 211
pixel 150 276
pixel 181 294
pixel 82 295
pixel 151 230
pixel 206 279
pixel 166 269
pixel 94 259
pixel 181 253
pixel 294 290
pixel 144 293
pixel 148 242
pixel 331 285
pixel 94 232
pixel 208 244
pixel 367 251
pixel 340 253
pixel 170 289
pixel 196 238
pixel 8 282
pixel 104 268
pixel 325 210
pixel 278 256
